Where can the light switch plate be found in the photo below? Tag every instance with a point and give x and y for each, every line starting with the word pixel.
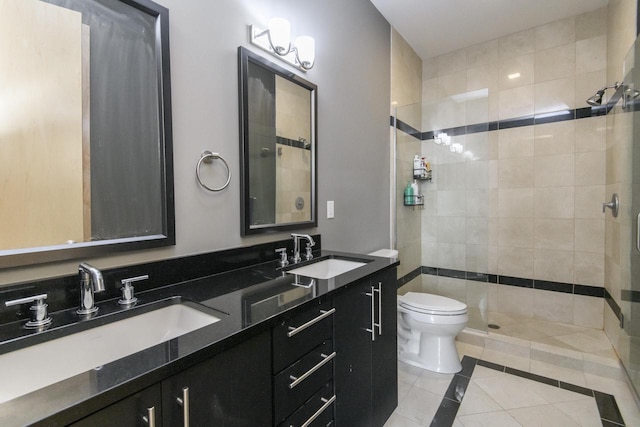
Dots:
pixel 330 212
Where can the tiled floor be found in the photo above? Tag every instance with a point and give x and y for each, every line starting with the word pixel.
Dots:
pixel 490 397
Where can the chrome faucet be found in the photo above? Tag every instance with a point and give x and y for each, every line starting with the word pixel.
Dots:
pixel 296 246
pixel 90 281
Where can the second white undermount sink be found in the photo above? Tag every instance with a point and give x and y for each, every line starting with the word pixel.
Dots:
pixel 31 368
pixel 327 268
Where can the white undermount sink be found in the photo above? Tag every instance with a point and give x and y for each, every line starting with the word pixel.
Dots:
pixel 327 268
pixel 31 368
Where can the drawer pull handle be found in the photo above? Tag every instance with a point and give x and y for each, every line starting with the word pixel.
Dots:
pixel 324 361
pixel 150 418
pixel 324 407
pixel 323 313
pixel 184 403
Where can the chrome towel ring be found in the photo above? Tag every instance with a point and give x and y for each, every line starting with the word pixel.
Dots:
pixel 208 157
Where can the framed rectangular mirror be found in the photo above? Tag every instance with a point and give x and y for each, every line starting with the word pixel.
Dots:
pixel 85 129
pixel 278 147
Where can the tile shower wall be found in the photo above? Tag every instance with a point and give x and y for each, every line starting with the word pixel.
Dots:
pixel 406 84
pixel 525 201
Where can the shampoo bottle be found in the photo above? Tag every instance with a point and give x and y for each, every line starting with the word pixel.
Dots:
pixel 408 194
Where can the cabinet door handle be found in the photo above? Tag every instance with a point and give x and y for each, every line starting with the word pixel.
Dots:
pixel 323 408
pixel 150 418
pixel 379 324
pixel 324 361
pixel 323 313
pixel 184 402
pixel 372 330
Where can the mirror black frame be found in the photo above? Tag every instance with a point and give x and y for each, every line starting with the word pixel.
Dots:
pixel 245 57
pixel 44 254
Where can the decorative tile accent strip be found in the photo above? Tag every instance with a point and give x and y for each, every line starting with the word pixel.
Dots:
pixel 445 416
pixel 556 116
pixel 545 285
pixel 614 307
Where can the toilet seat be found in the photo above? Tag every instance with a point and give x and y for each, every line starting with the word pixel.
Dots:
pixel 431 304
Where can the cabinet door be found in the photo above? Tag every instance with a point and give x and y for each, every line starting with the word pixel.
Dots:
pixel 232 389
pixel 384 354
pixel 353 360
pixel 129 412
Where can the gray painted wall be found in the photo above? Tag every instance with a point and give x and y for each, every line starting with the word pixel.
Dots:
pixel 353 76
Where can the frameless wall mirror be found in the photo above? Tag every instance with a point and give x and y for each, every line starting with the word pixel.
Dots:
pixel 278 147
pixel 85 129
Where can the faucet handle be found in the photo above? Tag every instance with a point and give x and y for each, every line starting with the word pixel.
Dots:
pixel 283 257
pixel 309 254
pixel 128 290
pixel 39 315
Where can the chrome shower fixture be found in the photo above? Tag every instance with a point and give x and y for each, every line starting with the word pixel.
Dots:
pixel 596 99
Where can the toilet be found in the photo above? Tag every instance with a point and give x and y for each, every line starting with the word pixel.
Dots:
pixel 427 329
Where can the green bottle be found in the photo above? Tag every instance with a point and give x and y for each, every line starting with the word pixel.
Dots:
pixel 408 194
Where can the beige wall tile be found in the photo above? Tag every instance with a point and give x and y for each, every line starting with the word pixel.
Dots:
pixel 516 102
pixel 591 54
pixel 555 95
pixel 553 265
pixel 484 77
pixel 517 44
pixel 555 138
pixel 516 203
pixel 590 168
pixel 556 33
pixel 554 234
pixel 552 306
pixel 589 268
pixel 588 312
pixel 452 84
pixel 477 258
pixel 407 75
pixel 477 231
pixel 477 203
pixel 451 229
pixel 429 254
pixel 590 235
pixel 452 288
pixel 451 255
pixel 554 202
pixel 451 203
pixel 515 232
pixel 515 300
pixel 591 134
pixel 452 62
pixel 555 63
pixel 516 262
pixel 477 173
pixel 588 201
pixel 555 170
pixel 451 114
pixel 516 173
pixel 516 71
pixel 516 142
pixel 591 24
pixel 477 111
pixel 482 54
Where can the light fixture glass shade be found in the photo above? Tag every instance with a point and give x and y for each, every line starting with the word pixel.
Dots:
pixel 280 35
pixel 306 51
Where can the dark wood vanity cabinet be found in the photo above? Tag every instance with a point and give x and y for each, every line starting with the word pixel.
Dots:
pixel 141 409
pixel 232 389
pixel 303 368
pixel 365 341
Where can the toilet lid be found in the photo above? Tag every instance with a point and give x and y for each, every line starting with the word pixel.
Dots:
pixel 430 303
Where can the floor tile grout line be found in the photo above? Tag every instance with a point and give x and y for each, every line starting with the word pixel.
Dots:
pixel 505 369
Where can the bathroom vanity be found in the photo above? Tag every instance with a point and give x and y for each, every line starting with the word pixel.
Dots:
pixel 284 349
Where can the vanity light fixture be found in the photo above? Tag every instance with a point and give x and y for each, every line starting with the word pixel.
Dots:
pixel 277 41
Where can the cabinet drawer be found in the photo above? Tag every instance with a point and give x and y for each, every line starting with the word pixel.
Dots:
pixel 299 335
pixel 296 384
pixel 316 412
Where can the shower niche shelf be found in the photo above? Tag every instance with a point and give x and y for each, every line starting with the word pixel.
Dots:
pixel 422 174
pixel 414 200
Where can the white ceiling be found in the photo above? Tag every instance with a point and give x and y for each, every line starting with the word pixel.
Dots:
pixel 434 27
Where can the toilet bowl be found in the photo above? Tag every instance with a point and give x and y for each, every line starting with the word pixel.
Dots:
pixel 427 328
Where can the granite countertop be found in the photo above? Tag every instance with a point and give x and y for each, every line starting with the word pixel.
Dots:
pixel 247 301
